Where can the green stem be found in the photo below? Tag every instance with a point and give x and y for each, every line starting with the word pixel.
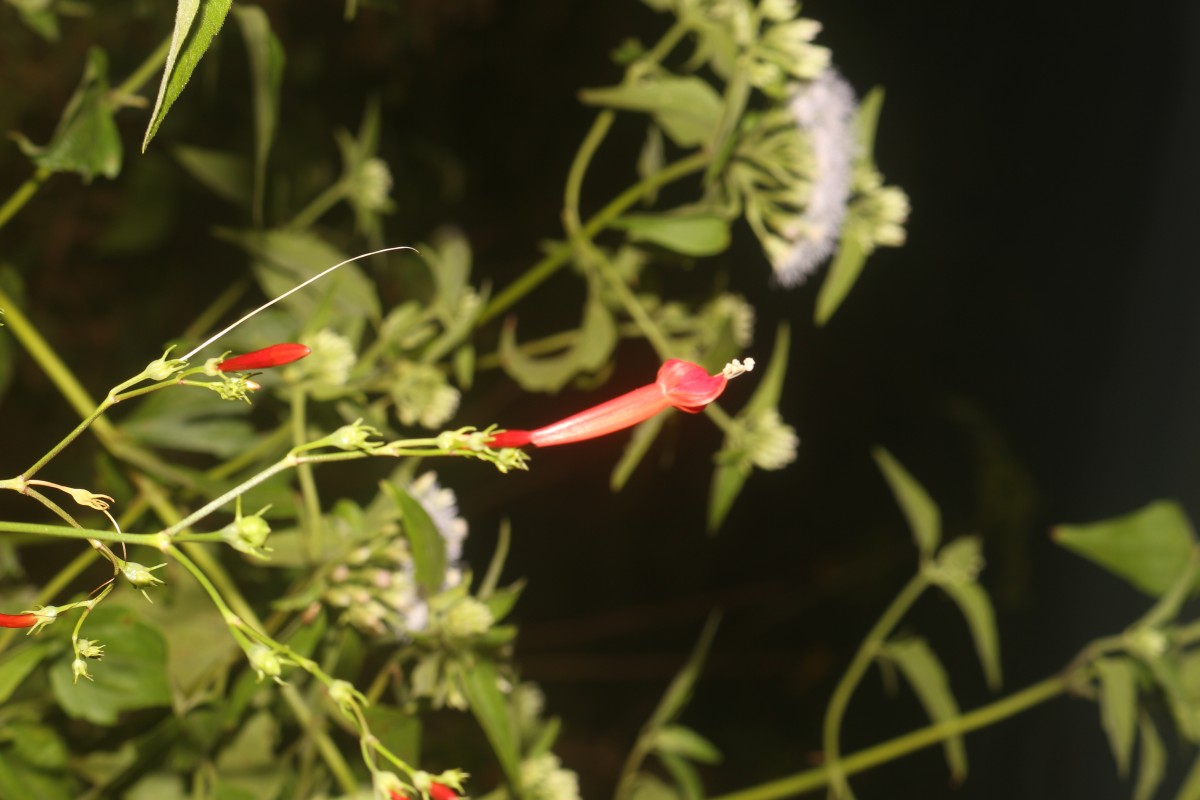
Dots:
pixel 304 473
pixel 55 369
pixel 867 651
pixel 587 150
pixel 901 746
pixel 319 205
pixel 23 195
pixel 561 255
pixel 145 70
pixel 62 531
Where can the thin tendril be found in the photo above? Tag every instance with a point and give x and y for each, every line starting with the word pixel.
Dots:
pixel 298 287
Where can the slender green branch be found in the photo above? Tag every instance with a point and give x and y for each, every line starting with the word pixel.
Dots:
pixel 316 208
pixel 23 195
pixel 867 651
pixel 893 749
pixel 583 157
pixel 64 532
pixel 55 369
pixel 561 255
pixel 145 70
pixel 304 472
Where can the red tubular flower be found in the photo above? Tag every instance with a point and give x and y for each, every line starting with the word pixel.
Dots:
pixel 274 356
pixel 437 791
pixel 18 620
pixel 680 384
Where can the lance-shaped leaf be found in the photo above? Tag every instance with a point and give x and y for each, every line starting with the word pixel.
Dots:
pixel 692 234
pixel 197 23
pixel 1118 707
pixel 481 685
pixel 687 108
pixel 427 545
pixel 733 463
pixel 922 514
pixel 1190 788
pixel 86 140
pixel 639 444
pixel 976 608
pixel 851 255
pixel 928 679
pixel 1150 547
pixel 1152 760
pixel 265 54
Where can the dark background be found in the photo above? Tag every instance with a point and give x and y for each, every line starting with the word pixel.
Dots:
pixel 1029 355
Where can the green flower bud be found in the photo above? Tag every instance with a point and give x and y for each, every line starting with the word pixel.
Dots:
pixel 265 662
pixel 468 617
pixel 79 668
pixel 87 648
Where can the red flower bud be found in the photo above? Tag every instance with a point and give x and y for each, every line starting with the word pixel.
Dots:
pixel 437 791
pixel 274 356
pixel 18 620
pixel 680 384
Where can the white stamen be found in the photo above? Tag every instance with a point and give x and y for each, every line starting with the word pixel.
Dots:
pixel 735 368
pixel 293 290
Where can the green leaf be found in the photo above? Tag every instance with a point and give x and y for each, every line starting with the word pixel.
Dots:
pixel 86 140
pixel 770 384
pixel 1118 707
pixel 640 440
pixel 197 23
pixel 1152 760
pixel 927 677
pixel 922 514
pixel 159 786
pixel 648 787
pixel 21 779
pixel 15 666
pixel 481 685
pixel 501 602
pixel 426 543
pixel 248 765
pixel 687 108
pixel 1166 675
pixel 728 479
pixel 1150 547
pixel 1190 788
pixel 690 234
pixel 595 343
pixel 192 420
pixel 843 272
pixel 227 175
pixel 398 731
pixel 975 606
pixel 851 255
pixel 687 780
pixel 680 691
pixel 38 18
pixel 651 159
pixel 685 742
pixel 492 577
pixel 287 258
pixel 131 676
pixel 866 120
pixel 265 54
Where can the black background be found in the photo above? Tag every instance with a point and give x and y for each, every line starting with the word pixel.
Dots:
pixel 1030 353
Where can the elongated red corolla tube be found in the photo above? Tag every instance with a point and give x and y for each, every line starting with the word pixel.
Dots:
pixel 680 384
pixel 18 620
pixel 274 356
